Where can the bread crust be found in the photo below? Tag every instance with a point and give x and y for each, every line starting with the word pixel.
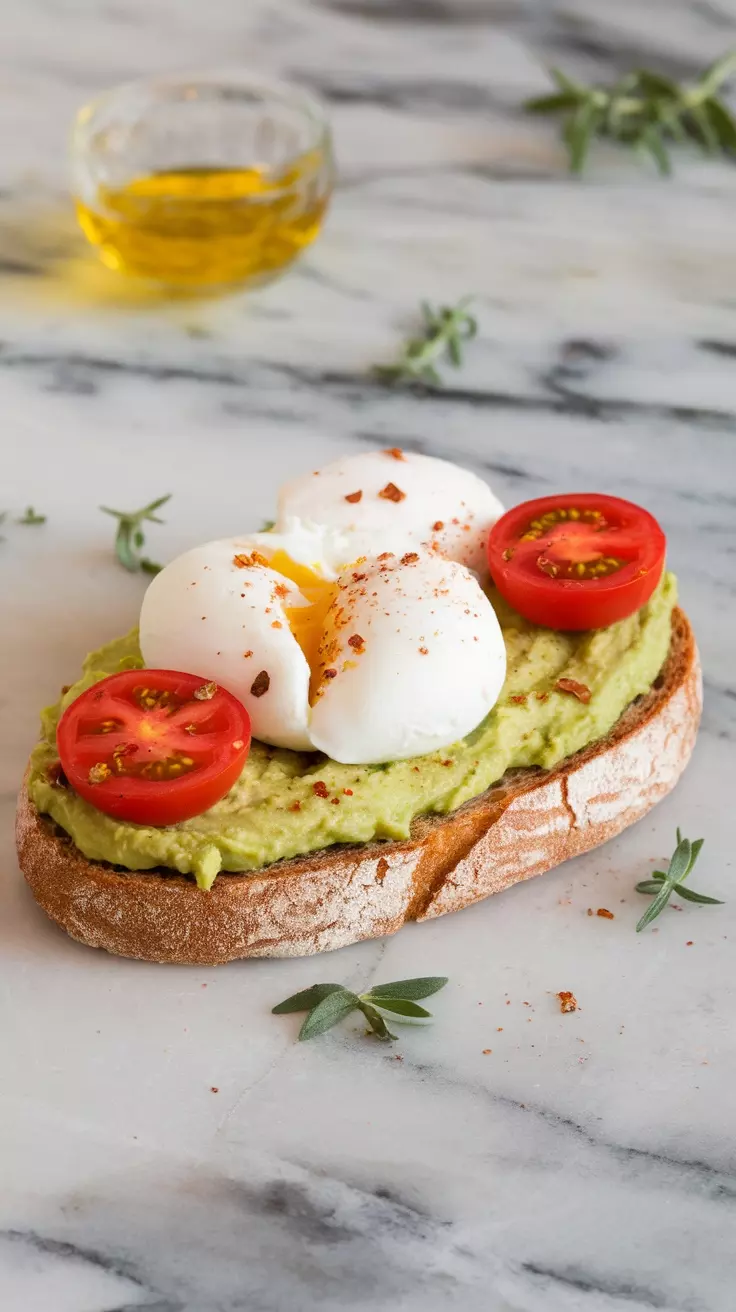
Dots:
pixel 526 824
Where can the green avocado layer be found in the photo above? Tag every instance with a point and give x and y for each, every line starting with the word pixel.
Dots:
pixel 257 822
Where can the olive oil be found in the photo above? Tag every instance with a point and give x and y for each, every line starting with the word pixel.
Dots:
pixel 199 227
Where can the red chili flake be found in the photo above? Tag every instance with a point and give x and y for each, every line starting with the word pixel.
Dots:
pixel 55 775
pixel 65 689
pixel 519 699
pixel 410 557
pixel 260 684
pixel 438 526
pixel 354 497
pixel 590 911
pixel 246 654
pixel 276 624
pixel 605 914
pixel 295 806
pixel 415 768
pixel 424 651
pixel 244 561
pixel 456 521
pixel 214 1088
pixel 358 578
pixel 391 493
pixel 335 801
pixel 329 674
pixel 281 590
pixel 320 789
pixel 448 762
pixel 348 792
pixel 204 617
pixel 499 1029
pixel 205 693
pixel 579 690
pixel 568 1001
pixel 394 451
pixel 689 943
pixel 487 1052
pixel 386 555
pixel 357 643
pixel 542 696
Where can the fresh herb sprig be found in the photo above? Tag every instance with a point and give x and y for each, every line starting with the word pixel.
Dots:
pixel 31 517
pixel 329 1003
pixel 643 110
pixel 665 883
pixel 130 537
pixel 444 332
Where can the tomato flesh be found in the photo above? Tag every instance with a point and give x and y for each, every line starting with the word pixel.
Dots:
pixel 576 561
pixel 153 746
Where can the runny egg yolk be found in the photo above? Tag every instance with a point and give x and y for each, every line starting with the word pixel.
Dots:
pixel 307 623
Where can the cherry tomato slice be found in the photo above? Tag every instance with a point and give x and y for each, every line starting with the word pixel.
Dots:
pixel 153 746
pixel 577 561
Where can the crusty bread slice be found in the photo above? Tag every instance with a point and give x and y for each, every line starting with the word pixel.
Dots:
pixel 529 822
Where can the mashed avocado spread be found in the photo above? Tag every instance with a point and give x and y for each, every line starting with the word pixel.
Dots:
pixel 259 822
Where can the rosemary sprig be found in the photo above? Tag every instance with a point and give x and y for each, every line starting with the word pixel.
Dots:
pixel 30 517
pixel 644 110
pixel 130 537
pixel 329 1003
pixel 665 883
pixel 444 331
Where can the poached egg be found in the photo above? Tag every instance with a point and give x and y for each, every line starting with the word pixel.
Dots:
pixel 390 500
pixel 398 656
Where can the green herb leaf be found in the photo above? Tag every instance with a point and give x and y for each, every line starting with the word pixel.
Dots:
pixel 335 1007
pixel 722 122
pixel 649 885
pixel 330 1003
pixel 578 134
pixel 680 861
pixel 655 907
pixel 306 999
pixel 30 517
pixel 376 1022
pixel 445 330
pixel 423 987
pixel 665 884
pixel 688 895
pixel 130 537
pixel 643 110
pixel 551 104
pixel 400 1006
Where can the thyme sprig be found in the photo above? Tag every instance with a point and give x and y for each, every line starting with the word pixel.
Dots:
pixel 445 330
pixel 329 1003
pixel 643 110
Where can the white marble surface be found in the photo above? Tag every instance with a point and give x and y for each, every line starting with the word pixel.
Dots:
pixel 588 1162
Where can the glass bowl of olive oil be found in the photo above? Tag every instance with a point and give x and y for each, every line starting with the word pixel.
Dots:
pixel 197 182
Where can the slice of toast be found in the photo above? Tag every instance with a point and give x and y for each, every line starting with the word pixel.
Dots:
pixel 527 823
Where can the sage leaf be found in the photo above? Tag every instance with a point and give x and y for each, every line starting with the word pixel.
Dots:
pixel 423 987
pixel 335 1007
pixel 306 999
pixel 400 1006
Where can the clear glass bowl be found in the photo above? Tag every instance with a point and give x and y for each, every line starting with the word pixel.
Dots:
pixel 203 180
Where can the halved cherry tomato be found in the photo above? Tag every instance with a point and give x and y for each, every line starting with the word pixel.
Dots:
pixel 577 561
pixel 153 746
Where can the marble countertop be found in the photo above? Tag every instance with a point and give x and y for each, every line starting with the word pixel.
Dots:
pixel 165 1143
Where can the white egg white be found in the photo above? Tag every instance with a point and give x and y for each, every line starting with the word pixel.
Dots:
pixel 392 500
pixel 212 614
pixel 412 659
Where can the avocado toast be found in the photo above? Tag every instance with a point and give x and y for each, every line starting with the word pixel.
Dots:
pixel 304 852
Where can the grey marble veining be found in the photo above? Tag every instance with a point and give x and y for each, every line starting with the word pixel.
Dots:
pixel 164 1142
